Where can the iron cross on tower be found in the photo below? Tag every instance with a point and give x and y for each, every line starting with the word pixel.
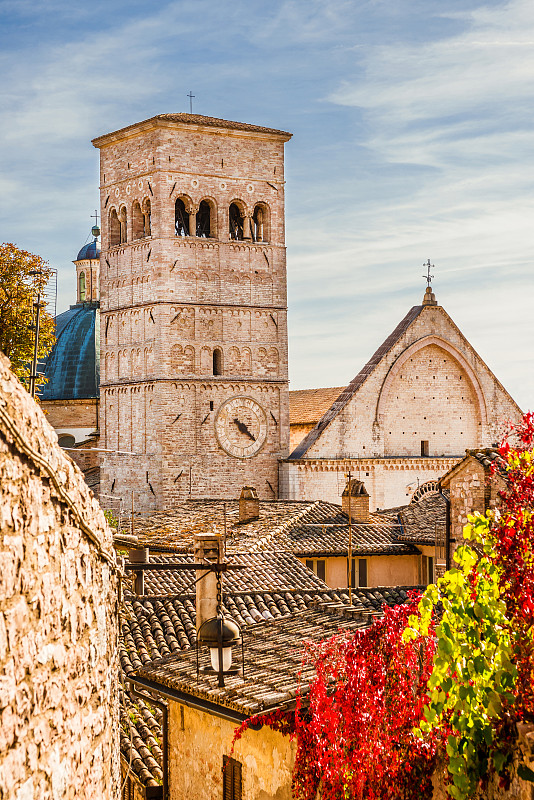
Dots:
pixel 428 276
pixel 190 95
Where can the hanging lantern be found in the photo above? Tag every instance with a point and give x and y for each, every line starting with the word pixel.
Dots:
pixel 220 635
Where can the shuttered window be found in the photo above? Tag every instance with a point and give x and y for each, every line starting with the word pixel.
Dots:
pixel 232 779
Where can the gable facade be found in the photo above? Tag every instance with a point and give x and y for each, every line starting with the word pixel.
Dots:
pixel 410 414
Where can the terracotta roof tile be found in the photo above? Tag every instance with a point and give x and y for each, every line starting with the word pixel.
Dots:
pixel 308 405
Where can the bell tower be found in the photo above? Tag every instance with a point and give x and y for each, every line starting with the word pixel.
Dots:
pixel 194 375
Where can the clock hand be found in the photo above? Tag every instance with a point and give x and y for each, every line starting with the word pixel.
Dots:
pixel 243 428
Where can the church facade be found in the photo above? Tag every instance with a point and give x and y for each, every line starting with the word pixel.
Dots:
pixel 407 418
pixel 194 380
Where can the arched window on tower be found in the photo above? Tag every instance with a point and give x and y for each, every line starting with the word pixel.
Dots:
pixel 82 287
pixel 114 229
pixel 204 220
pixel 137 221
pixel 123 226
pixel 147 218
pixel 236 223
pixel 260 223
pixel 217 362
pixel 181 219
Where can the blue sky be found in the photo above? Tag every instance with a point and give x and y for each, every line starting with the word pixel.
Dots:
pixel 413 139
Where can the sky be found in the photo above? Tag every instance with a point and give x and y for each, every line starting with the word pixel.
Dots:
pixel 413 139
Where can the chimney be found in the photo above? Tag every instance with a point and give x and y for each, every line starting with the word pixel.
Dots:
pixel 208 548
pixel 249 505
pixel 359 501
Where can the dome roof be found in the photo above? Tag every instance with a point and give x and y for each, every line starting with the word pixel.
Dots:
pixel 73 365
pixel 91 250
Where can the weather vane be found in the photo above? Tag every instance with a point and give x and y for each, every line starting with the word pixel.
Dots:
pixel 428 276
pixel 190 95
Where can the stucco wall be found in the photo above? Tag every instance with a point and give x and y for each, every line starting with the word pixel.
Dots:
pixel 197 743
pixel 58 617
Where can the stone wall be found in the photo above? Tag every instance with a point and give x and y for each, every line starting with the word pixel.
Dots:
pixel 58 617
pixel 197 743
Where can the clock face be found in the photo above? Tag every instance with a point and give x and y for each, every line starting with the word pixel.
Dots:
pixel 241 427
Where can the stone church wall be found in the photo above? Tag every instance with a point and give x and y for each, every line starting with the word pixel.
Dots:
pixel 58 617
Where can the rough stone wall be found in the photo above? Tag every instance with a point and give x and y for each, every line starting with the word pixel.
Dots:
pixel 472 490
pixel 58 617
pixel 197 743
pixel 168 302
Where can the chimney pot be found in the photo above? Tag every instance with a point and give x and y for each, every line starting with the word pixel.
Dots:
pixel 359 501
pixel 249 505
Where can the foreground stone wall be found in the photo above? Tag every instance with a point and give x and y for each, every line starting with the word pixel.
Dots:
pixel 58 617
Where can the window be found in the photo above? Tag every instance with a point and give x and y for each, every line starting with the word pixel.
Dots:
pixel 147 218
pixel 361 565
pixel 232 779
pixel 424 447
pixel 137 222
pixel 217 362
pixel 318 567
pixel 123 226
pixel 204 220
pixel 260 223
pixel 114 229
pixel 235 222
pixel 181 219
pixel 67 440
pixel 82 287
pixel 427 570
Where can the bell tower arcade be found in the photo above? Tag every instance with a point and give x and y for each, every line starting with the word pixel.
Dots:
pixel 194 374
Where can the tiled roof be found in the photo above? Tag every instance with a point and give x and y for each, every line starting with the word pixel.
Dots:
pixel 177 528
pixel 308 405
pixel 324 531
pixel 303 528
pixel 272 570
pixel 154 628
pixel 355 384
pixel 419 520
pixel 196 119
pixel 274 651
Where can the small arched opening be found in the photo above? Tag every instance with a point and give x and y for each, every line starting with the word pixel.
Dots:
pixel 217 361
pixel 123 226
pixel 114 229
pixel 66 440
pixel 204 220
pixel 137 221
pixel 181 219
pixel 235 221
pixel 82 287
pixel 147 218
pixel 260 223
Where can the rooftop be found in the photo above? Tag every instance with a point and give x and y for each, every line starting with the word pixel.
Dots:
pixel 195 120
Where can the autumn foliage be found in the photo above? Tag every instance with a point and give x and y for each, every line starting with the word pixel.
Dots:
pixel 449 674
pixel 22 274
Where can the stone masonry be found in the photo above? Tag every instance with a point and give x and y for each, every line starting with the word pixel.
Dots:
pixel 424 397
pixel 58 617
pixel 193 300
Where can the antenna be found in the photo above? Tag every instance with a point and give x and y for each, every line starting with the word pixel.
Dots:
pixel 190 95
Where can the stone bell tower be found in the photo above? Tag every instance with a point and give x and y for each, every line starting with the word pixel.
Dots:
pixel 194 381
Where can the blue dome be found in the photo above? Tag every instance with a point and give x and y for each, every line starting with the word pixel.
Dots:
pixel 73 365
pixel 91 250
